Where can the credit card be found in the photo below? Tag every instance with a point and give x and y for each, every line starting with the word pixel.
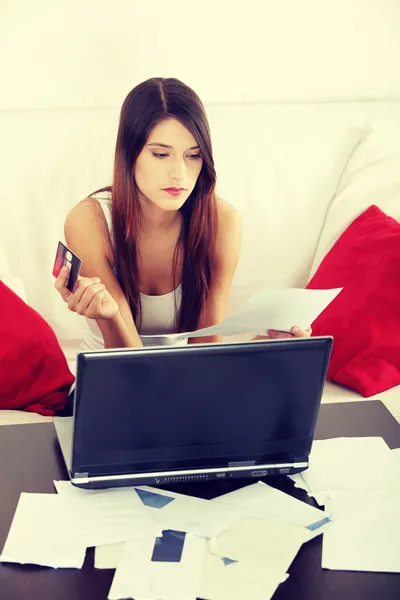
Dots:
pixel 65 257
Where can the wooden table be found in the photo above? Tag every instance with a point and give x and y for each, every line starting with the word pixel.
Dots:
pixel 30 459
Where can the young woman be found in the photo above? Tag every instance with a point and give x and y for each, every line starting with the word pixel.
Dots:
pixel 159 249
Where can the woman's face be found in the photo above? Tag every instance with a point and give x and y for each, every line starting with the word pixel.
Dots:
pixel 168 166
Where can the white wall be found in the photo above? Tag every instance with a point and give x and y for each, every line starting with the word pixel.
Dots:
pixel 90 53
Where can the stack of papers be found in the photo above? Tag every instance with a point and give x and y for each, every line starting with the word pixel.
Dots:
pixel 358 482
pixel 165 545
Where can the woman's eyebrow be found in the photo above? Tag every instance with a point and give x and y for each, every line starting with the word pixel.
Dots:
pixel 166 146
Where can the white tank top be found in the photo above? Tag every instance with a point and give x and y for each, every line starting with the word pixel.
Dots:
pixel 159 313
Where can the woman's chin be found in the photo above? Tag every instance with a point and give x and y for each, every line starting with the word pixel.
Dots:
pixel 166 203
pixel 171 204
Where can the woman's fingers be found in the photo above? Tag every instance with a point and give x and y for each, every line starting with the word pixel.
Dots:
pixel 93 310
pixel 60 284
pixel 273 333
pixel 295 331
pixel 88 295
pixel 83 296
pixel 300 332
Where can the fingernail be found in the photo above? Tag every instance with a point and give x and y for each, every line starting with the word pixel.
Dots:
pixel 295 330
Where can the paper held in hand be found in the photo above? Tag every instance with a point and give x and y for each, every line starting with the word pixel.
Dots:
pixel 270 308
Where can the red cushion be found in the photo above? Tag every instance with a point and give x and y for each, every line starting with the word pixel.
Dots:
pixel 34 374
pixel 364 319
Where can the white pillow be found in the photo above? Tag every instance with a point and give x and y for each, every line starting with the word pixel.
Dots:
pixel 280 166
pixel 372 176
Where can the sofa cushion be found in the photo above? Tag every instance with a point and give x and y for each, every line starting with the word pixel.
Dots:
pixel 34 374
pixel 371 177
pixel 364 318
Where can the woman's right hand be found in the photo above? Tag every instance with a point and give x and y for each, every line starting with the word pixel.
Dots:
pixel 90 298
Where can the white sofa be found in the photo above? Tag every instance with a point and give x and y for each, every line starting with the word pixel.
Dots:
pixel 299 173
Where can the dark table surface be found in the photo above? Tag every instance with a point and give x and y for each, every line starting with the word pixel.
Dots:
pixel 30 459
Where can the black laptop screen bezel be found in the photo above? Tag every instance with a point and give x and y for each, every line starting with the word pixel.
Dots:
pixel 266 451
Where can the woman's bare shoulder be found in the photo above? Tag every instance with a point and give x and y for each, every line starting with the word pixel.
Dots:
pixel 86 222
pixel 229 218
pixel 229 235
pixel 86 210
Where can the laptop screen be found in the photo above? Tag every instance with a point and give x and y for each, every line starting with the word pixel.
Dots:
pixel 197 407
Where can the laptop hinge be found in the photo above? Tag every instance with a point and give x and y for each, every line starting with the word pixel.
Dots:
pixel 83 476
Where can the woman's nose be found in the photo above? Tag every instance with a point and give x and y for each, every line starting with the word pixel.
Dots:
pixel 178 170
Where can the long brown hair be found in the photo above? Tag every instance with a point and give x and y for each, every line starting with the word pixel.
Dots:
pixel 146 105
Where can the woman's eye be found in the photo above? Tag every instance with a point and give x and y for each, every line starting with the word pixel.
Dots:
pixel 164 155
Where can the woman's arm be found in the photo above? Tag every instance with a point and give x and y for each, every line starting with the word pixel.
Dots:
pixel 116 333
pixel 87 235
pixel 228 246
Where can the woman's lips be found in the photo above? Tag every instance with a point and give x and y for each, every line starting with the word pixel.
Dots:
pixel 174 191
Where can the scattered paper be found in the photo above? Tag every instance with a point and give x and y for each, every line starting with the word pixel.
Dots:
pixel 270 308
pixel 193 515
pixel 351 464
pixel 170 510
pixel 140 574
pixel 108 516
pixel 200 517
pixel 107 557
pixel 157 539
pixel 222 579
pixel 365 534
pixel 43 532
pixel 261 501
pixel 272 544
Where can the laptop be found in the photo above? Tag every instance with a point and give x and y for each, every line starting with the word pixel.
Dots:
pixel 172 414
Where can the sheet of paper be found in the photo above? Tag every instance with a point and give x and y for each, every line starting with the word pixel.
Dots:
pixel 324 451
pixel 320 497
pixel 351 464
pixel 163 572
pixel 261 501
pixel 344 445
pixel 193 515
pixel 271 543
pixel 108 516
pixel 108 556
pixel 365 534
pixel 43 532
pixel 270 308
pixel 237 580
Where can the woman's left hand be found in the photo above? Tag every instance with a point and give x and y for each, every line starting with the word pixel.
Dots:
pixel 295 331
